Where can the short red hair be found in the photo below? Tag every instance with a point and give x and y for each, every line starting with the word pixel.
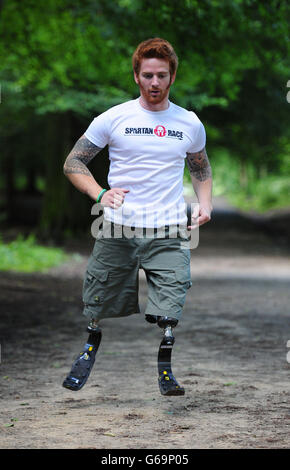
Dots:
pixel 155 48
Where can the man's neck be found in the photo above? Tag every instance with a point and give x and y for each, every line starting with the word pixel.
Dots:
pixel 154 107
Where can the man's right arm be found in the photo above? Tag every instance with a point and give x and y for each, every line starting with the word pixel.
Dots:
pixel 76 170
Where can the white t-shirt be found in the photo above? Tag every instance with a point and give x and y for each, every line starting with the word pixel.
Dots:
pixel 147 151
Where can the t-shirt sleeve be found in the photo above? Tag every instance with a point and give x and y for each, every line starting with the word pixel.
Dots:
pixel 199 140
pixel 98 130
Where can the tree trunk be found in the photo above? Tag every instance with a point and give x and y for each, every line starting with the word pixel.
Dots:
pixel 243 174
pixel 65 210
pixel 8 171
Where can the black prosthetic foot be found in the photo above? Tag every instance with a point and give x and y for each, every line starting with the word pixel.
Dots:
pixel 168 384
pixel 83 365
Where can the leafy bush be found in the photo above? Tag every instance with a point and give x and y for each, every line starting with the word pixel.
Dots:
pixel 26 255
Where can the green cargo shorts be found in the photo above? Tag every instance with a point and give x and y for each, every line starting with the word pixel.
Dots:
pixel 111 282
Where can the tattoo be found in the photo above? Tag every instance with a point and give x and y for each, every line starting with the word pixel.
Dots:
pixel 198 165
pixel 80 156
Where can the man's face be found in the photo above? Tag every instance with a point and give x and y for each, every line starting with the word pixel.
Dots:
pixel 154 80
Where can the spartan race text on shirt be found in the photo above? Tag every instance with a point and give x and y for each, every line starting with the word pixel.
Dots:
pixel 159 131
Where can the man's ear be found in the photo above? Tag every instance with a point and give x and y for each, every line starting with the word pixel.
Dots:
pixel 172 80
pixel 136 78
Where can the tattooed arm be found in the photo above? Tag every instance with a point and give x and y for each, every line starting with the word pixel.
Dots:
pixel 75 167
pixel 76 170
pixel 201 177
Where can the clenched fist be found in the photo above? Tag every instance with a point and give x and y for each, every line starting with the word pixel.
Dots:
pixel 201 215
pixel 114 197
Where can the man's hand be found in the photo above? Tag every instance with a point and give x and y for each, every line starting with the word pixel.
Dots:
pixel 200 216
pixel 114 197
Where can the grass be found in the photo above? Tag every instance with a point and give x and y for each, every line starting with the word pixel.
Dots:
pixel 25 255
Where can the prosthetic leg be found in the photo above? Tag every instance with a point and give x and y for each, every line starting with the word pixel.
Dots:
pixel 168 385
pixel 83 364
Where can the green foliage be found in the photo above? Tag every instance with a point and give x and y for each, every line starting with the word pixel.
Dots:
pixel 26 255
pixel 263 195
pixel 58 58
pixel 247 188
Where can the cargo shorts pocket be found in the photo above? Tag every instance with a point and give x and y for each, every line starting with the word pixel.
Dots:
pixel 183 283
pixel 94 287
pixel 183 277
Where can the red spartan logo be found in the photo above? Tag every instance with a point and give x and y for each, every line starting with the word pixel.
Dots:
pixel 160 131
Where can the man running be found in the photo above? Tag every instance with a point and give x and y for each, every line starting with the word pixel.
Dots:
pixel 145 221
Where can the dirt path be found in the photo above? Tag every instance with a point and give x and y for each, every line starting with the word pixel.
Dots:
pixel 230 355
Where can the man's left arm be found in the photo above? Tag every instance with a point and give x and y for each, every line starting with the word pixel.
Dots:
pixel 201 177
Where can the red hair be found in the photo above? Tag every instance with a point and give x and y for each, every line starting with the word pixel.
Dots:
pixel 155 48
